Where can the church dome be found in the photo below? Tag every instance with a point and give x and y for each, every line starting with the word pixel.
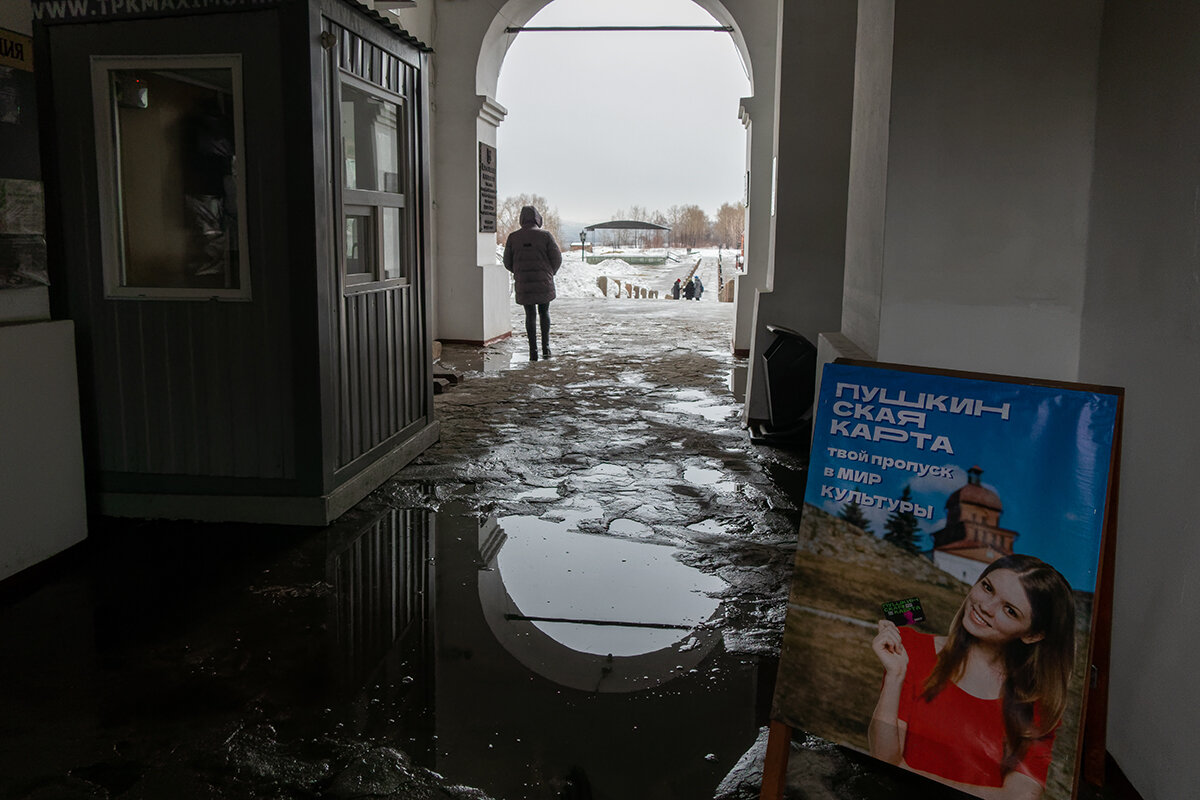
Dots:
pixel 975 493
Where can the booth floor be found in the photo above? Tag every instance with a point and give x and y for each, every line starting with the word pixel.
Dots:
pixel 579 592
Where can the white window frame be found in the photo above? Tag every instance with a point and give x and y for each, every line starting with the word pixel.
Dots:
pixel 373 201
pixel 109 175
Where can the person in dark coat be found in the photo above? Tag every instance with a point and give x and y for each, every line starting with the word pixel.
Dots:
pixel 533 257
pixel 689 289
pixel 676 289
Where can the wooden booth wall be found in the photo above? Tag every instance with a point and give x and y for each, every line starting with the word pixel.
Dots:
pixel 382 355
pixel 193 395
pixel 314 388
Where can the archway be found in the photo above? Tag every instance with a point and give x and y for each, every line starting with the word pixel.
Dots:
pixel 468 116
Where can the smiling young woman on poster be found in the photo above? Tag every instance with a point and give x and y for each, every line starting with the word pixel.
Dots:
pixel 978 708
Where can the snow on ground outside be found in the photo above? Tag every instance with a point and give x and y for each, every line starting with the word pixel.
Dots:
pixel 578 279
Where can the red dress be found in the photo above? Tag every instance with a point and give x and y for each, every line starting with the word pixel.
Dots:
pixel 957 736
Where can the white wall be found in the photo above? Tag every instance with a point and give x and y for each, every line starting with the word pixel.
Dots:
pixel 758 115
pixel 867 196
pixel 816 88
pixel 1141 330
pixel 990 152
pixel 977 140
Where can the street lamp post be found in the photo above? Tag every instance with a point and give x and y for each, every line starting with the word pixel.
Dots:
pixel 583 246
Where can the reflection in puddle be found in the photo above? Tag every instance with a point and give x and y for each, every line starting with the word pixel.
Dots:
pixel 602 595
pixel 737 382
pixel 397 628
pixel 475 359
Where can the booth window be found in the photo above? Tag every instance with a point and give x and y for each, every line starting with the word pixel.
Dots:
pixel 374 233
pixel 169 157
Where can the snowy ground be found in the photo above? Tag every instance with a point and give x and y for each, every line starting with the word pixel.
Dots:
pixel 579 279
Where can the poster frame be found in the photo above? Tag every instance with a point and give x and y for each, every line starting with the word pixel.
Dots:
pixel 1090 753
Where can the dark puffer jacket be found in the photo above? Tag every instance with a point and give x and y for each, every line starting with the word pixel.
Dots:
pixel 533 257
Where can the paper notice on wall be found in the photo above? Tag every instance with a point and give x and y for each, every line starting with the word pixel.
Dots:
pixel 23 261
pixel 22 207
pixel 10 98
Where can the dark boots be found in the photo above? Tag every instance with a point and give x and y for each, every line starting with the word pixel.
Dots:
pixel 545 344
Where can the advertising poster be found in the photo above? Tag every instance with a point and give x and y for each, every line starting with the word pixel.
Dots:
pixel 941 607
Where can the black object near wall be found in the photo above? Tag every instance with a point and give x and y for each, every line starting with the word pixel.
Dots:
pixel 237 218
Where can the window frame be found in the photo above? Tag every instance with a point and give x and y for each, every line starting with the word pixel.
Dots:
pixel 351 202
pixel 111 206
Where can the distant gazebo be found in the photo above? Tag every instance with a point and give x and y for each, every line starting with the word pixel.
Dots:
pixel 630 257
pixel 972 537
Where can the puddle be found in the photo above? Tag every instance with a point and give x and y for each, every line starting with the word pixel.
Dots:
pixel 629 528
pixel 407 628
pixel 574 510
pixel 709 409
pixel 714 479
pixel 737 382
pixel 460 358
pixel 702 477
pixel 606 473
pixel 547 493
pixel 599 594
pixel 708 526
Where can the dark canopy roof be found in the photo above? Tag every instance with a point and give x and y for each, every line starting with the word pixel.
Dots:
pixel 628 224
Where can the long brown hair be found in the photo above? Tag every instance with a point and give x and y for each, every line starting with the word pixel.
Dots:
pixel 1034 674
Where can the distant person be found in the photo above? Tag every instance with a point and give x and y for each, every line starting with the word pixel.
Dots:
pixel 699 287
pixel 676 289
pixel 533 257
pixel 689 289
pixel 978 709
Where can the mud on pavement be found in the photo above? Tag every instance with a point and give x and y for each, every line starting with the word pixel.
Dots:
pixel 634 422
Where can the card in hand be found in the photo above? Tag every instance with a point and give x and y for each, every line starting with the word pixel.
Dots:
pixel 904 612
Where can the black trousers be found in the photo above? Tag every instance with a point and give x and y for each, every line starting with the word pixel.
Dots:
pixel 542 311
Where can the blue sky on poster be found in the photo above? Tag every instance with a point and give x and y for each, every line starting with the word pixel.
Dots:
pixel 603 121
pixel 1048 462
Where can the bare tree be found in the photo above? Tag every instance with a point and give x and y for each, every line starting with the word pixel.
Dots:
pixel 508 216
pixel 660 237
pixel 674 217
pixel 693 227
pixel 730 224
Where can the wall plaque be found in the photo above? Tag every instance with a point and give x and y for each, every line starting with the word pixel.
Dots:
pixel 487 188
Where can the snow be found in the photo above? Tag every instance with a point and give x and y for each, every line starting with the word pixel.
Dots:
pixel 579 279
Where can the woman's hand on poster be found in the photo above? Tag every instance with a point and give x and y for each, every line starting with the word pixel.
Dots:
pixel 890 649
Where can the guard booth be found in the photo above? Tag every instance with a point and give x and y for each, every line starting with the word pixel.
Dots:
pixel 237 222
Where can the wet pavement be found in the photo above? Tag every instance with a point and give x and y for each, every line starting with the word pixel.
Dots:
pixel 577 593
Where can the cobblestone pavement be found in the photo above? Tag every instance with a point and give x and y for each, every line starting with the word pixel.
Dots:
pixel 633 420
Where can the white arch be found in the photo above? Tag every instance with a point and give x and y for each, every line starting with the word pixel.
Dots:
pixel 516 13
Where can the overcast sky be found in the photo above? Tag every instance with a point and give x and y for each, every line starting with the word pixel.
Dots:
pixel 603 121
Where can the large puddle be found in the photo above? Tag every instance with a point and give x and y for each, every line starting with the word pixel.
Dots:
pixel 515 654
pixel 600 594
